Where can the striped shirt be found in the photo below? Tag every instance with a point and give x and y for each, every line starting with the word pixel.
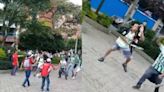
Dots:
pixel 159 63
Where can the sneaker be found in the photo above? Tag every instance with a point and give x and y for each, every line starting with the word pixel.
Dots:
pixel 124 67
pixel 136 87
pixel 156 90
pixel 48 90
pixel 73 77
pixel 66 77
pixel 28 85
pixel 23 85
pixel 34 75
pixel 101 59
pixel 42 89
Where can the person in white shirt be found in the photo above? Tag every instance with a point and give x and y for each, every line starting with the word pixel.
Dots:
pixel 123 43
pixel 63 65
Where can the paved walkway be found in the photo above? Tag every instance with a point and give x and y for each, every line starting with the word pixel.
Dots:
pixel 10 83
pixel 109 75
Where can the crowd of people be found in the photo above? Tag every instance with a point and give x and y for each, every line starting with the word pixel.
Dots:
pixel 41 64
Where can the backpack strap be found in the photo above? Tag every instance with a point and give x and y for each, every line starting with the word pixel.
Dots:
pixel 125 31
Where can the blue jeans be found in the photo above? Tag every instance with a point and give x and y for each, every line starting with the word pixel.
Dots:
pixel 152 75
pixel 14 70
pixel 27 74
pixel 43 82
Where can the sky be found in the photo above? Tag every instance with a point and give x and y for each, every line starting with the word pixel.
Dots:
pixel 76 2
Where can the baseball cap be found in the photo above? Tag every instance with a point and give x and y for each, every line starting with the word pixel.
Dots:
pixel 48 60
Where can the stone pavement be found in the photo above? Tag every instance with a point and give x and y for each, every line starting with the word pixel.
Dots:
pixel 10 83
pixel 109 75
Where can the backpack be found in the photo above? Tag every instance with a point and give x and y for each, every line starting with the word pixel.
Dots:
pixel 44 71
pixel 26 62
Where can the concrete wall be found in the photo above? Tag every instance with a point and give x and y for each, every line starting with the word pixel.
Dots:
pixel 119 8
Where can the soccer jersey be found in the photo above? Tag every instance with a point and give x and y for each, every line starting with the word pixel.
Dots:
pixel 159 63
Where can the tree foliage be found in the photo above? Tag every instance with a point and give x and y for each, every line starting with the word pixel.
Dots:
pixel 41 38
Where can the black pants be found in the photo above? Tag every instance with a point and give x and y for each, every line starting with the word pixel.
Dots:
pixel 62 70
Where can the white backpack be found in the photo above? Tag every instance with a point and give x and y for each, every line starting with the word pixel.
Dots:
pixel 26 62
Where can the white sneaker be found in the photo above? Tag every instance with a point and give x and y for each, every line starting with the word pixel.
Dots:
pixel 73 77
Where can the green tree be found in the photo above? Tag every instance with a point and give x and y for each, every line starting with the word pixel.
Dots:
pixel 35 6
pixel 13 13
pixel 64 7
pixel 41 38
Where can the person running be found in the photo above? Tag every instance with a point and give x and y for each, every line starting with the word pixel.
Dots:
pixel 62 70
pixel 15 63
pixel 155 73
pixel 45 72
pixel 123 43
pixel 27 64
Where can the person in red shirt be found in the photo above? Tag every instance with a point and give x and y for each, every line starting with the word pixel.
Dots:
pixel 45 71
pixel 27 64
pixel 15 63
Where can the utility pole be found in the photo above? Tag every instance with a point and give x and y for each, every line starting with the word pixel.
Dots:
pixel 131 10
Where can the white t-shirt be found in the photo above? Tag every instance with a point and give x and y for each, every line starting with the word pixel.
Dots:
pixel 63 63
pixel 129 38
pixel 41 62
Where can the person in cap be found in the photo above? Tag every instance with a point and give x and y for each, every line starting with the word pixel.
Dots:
pixel 45 72
pixel 27 64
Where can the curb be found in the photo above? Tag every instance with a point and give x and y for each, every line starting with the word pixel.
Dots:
pixel 8 71
pixel 113 30
pixel 5 71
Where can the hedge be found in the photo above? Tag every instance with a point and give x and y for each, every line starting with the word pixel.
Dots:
pixel 2 54
pixel 5 65
pixel 100 18
pixel 104 20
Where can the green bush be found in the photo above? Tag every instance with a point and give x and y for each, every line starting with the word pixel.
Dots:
pixel 22 55
pixel 70 44
pixel 92 15
pixel 2 54
pixel 135 22
pixel 104 20
pixel 150 46
pixel 150 34
pixel 5 65
pixel 41 38
pixel 56 60
pixel 161 40
pixel 86 7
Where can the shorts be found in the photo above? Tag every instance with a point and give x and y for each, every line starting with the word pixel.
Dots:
pixel 126 52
